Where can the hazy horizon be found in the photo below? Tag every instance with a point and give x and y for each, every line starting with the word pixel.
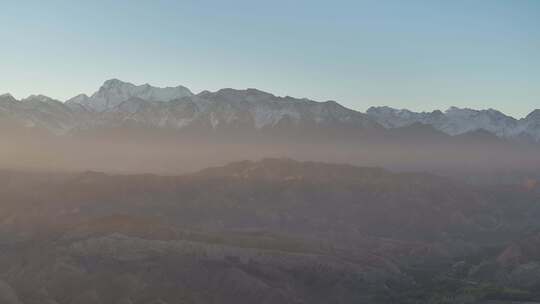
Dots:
pixel 417 55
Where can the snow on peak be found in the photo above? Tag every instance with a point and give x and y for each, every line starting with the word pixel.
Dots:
pixel 267 110
pixel 397 118
pixel 467 120
pixel 117 101
pixel 453 121
pixel 114 91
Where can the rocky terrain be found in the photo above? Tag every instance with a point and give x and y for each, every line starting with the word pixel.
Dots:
pixel 272 231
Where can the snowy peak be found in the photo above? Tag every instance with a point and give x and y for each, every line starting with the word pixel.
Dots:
pixel 397 118
pixel 454 121
pixel 461 121
pixel 227 109
pixel 266 110
pixel 39 111
pixel 117 103
pixel 113 92
pixel 489 114
pixel 457 121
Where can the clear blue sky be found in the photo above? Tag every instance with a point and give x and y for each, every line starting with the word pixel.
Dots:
pixel 412 54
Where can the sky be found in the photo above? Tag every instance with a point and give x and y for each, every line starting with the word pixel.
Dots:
pixel 420 55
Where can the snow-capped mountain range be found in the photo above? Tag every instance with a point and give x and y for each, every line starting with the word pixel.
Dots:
pixel 113 92
pixel 117 103
pixel 456 121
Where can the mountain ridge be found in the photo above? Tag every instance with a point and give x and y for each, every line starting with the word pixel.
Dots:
pixel 117 102
pixel 457 121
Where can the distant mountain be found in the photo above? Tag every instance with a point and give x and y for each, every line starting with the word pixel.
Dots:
pixel 228 108
pixel 7 104
pixel 119 104
pixel 457 121
pixel 113 92
pixel 530 126
pixel 38 111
